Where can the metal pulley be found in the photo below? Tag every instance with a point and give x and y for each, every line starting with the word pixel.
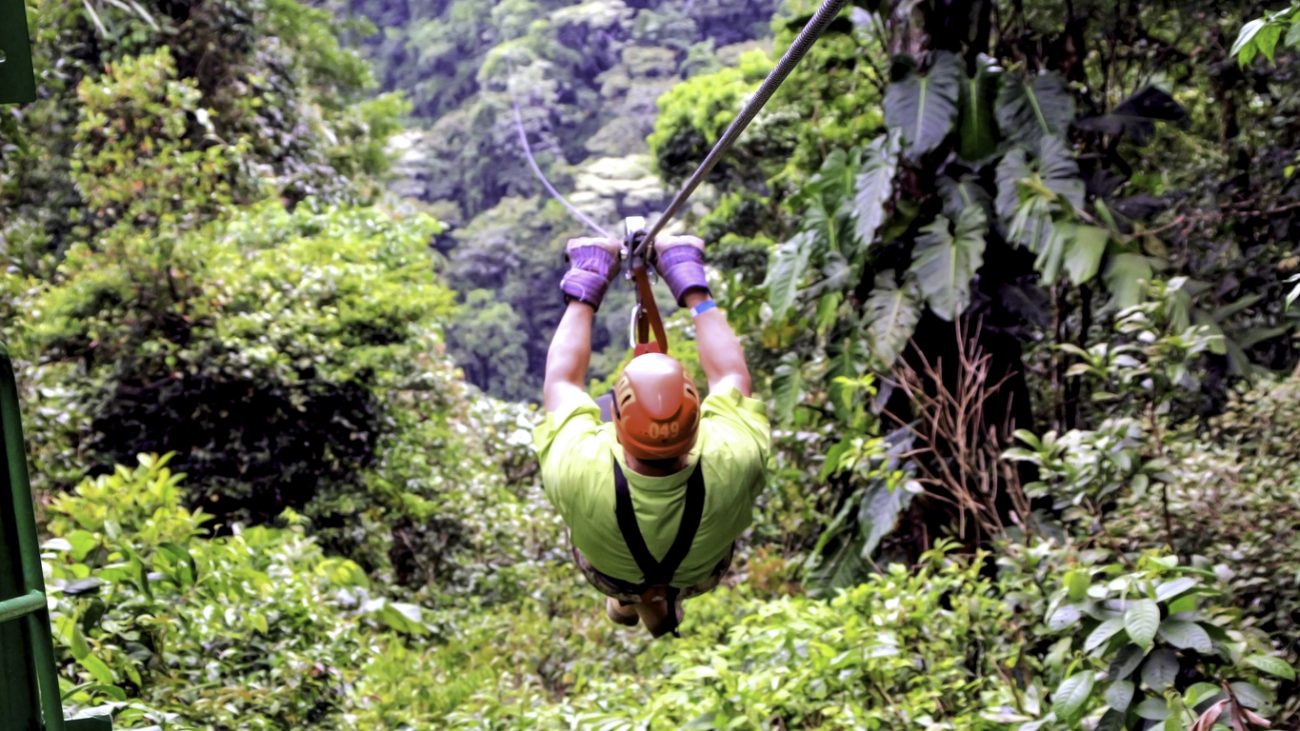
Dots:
pixel 645 314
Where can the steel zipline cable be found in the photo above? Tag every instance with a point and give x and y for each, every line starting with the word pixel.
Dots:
pixel 795 53
pixel 532 162
pixel 791 58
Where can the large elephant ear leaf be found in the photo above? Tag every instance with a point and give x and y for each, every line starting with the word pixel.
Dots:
pixel 924 108
pixel 945 260
pixel 1030 109
pixel 874 186
pixel 892 314
pixel 977 130
pixel 789 263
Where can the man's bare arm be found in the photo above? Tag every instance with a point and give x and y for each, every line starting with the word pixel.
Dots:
pixel 721 356
pixel 568 357
pixel 593 265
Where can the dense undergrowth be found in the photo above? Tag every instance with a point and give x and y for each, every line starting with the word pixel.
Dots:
pixel 1054 490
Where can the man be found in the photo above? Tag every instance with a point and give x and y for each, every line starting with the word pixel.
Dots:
pixel 655 500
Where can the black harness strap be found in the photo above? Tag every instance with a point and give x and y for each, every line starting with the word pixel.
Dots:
pixel 659 573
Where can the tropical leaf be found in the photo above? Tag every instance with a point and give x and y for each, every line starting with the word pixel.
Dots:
pixel 944 261
pixel 977 126
pixel 924 108
pixel 1141 620
pixel 873 187
pixel 1120 695
pixel 1127 277
pixel 878 513
pixel 1030 109
pixel 787 386
pixel 1275 666
pixel 1186 636
pixel 1160 669
pixel 1083 253
pixel 892 314
pixel 1072 695
pixel 789 263
pixel 957 194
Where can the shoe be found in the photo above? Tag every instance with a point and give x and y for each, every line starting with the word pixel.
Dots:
pixel 615 613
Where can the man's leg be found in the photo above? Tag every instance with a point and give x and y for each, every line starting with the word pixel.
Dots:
pixel 655 615
pixel 619 614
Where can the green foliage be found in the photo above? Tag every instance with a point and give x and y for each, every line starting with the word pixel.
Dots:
pixel 1263 36
pixel 266 350
pixel 1154 644
pixel 924 108
pixel 230 101
pixel 148 157
pixel 256 630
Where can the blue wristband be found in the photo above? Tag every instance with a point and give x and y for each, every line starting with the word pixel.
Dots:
pixel 703 307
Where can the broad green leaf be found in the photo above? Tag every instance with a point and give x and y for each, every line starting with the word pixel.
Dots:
pixel 1201 692
pixel 1103 632
pixel 1266 40
pixel 1250 695
pixel 99 669
pixel 1112 720
pixel 1126 661
pixel 1083 253
pixel 978 124
pixel 1245 36
pixel 1127 277
pixel 1160 669
pixel 1169 589
pixel 945 261
pixel 1186 636
pixel 1065 616
pixel 923 108
pixel 1142 621
pixel 1072 695
pixel 1275 666
pixel 1030 109
pixel 881 508
pixel 873 187
pixel 789 263
pixel 1120 695
pixel 891 315
pixel 1076 584
pixel 1153 709
pixel 787 387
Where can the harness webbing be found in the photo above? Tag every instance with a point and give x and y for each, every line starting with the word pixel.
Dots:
pixel 659 573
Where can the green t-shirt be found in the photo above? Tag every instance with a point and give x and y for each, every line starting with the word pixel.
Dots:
pixel 577 450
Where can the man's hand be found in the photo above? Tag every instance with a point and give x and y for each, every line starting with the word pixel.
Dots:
pixel 593 264
pixel 680 261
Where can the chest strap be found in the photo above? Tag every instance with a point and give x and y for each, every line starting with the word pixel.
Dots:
pixel 659 573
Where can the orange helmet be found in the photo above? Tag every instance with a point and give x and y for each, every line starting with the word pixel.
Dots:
pixel 656 408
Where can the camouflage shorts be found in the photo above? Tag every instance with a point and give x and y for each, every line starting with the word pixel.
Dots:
pixel 626 593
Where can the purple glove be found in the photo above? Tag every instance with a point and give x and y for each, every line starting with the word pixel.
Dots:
pixel 592 266
pixel 681 264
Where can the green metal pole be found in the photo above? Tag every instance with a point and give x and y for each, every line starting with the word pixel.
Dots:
pixel 17 85
pixel 38 622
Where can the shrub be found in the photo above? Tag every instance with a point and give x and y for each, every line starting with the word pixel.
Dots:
pixel 267 351
pixel 256 630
